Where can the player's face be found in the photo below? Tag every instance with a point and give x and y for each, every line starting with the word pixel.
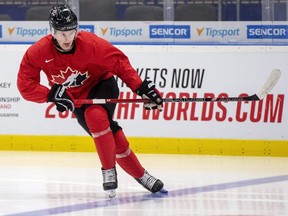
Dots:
pixel 65 38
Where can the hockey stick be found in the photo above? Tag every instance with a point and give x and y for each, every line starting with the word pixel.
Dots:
pixel 267 87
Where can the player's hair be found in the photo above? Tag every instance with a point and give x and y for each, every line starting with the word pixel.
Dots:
pixel 62 18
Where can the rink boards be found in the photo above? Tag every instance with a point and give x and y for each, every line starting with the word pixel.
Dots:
pixel 233 128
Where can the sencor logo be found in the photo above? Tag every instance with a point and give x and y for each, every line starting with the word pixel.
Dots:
pixel 88 28
pixel 169 31
pixel 267 31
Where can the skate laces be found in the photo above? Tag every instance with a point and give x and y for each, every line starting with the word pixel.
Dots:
pixel 109 175
pixel 148 180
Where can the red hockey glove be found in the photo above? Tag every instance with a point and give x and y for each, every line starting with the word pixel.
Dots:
pixel 148 90
pixel 61 99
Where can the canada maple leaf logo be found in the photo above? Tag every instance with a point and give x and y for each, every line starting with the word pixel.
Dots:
pixel 70 78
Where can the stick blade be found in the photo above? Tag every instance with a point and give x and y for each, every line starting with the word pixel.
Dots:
pixel 270 83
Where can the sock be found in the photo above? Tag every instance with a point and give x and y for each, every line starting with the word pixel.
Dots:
pixel 105 146
pixel 125 157
pixel 99 126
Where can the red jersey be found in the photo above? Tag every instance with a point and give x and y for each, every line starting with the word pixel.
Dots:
pixel 94 59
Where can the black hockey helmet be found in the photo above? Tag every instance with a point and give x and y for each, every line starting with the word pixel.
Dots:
pixel 62 18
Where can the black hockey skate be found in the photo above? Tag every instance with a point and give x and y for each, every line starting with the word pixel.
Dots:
pixel 110 182
pixel 151 183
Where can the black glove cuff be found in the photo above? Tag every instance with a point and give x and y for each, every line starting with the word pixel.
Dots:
pixel 145 87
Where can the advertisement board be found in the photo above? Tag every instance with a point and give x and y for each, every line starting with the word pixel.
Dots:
pixel 158 32
pixel 184 59
pixel 177 71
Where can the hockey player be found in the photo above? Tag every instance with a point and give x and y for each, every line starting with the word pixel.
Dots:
pixel 81 65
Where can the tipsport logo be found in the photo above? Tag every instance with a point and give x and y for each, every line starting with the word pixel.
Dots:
pixel 28 32
pixel 267 31
pixel 119 32
pixel 170 31
pixel 212 32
